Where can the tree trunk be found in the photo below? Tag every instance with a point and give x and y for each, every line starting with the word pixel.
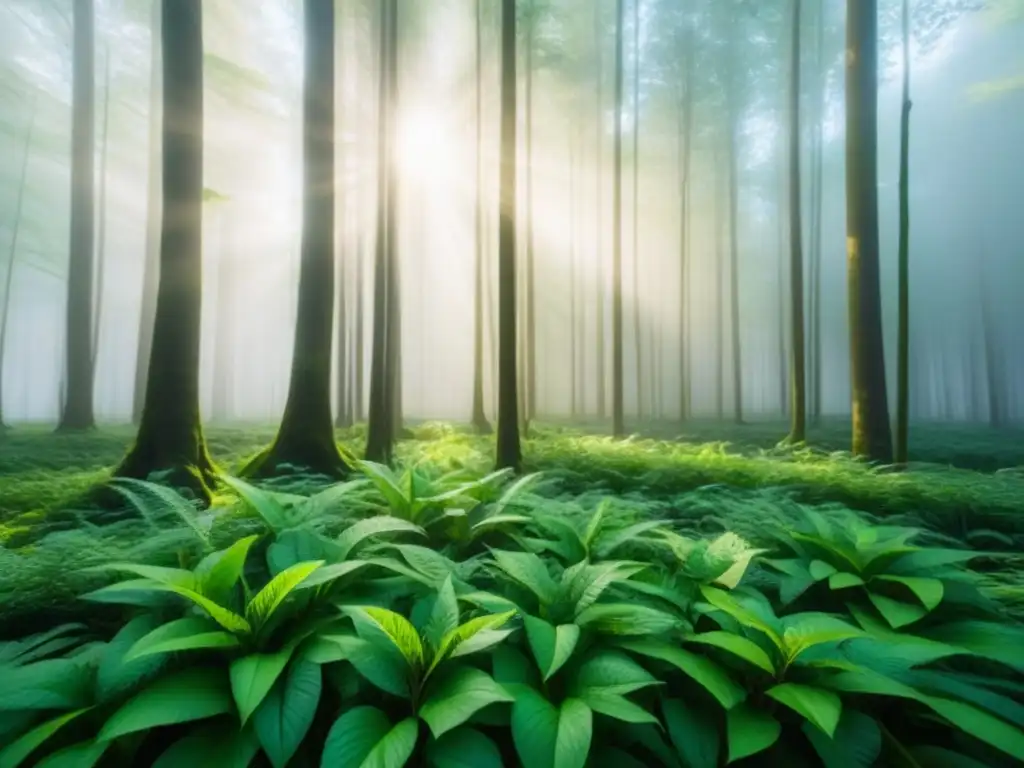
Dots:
pixel 903 352
pixel 170 433
pixel 599 286
pixel 719 223
pixel 380 430
pixel 637 327
pixel 508 450
pixel 798 372
pixel 530 363
pixel 306 435
pixel 573 258
pixel 479 416
pixel 394 282
pixel 77 412
pixel 12 252
pixel 817 181
pixel 618 424
pixel 101 219
pixel 782 357
pixel 685 135
pixel 734 261
pixel 871 432
pixel 990 344
pixel 342 377
pixel 151 259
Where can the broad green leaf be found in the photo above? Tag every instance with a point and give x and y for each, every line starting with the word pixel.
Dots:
pixel 1001 642
pixel 364 738
pixel 551 646
pixel 530 571
pixel 737 645
pixel 612 540
pixel 217 743
pixel 262 502
pixel 844 581
pixel 116 674
pixel 379 623
pixel 592 581
pixel 190 633
pixel 15 753
pixel 724 601
pixel 625 619
pixel 331 573
pixel 821 570
pixel 694 733
pixel 750 731
pixel 928 591
pixel 254 675
pixel 223 574
pixel 268 599
pixel 820 707
pixel 383 665
pixel 981 725
pixel 193 694
pixel 463 748
pixel 610 672
pixel 897 613
pixel 616 706
pixel 444 616
pixel 283 719
pixel 700 669
pixel 355 534
pixel 177 577
pixel 937 757
pixel 513 669
pixel 229 620
pixel 456 696
pixel 803 631
pixel 475 635
pixel 856 743
pixel 389 486
pixel 550 737
pixel 84 754
pixel 432 566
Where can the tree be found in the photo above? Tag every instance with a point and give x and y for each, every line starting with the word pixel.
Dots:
pixel 686 114
pixel 508 449
pixel 798 364
pixel 480 422
pixel 871 433
pixel 77 411
pixel 903 352
pixel 618 425
pixel 637 326
pixel 599 280
pixel 733 118
pixel 224 333
pixel 170 436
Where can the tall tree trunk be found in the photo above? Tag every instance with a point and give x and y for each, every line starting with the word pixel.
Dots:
pixel 573 258
pixel 599 281
pixel 358 333
pixel 871 433
pixel 719 223
pixel 305 437
pixel 798 344
pixel 101 218
pixel 782 357
pixel 903 353
pixel 685 136
pixel 170 433
pixel 394 283
pixel 151 258
pixel 618 423
pixel 342 244
pixel 817 181
pixel 508 450
pixel 637 327
pixel 12 251
pixel 380 430
pixel 77 412
pixel 734 260
pixel 479 416
pixel 993 355
pixel 530 363
pixel 223 362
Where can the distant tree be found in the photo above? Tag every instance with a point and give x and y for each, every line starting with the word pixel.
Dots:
pixel 685 131
pixel 479 416
pixel 599 278
pixel 77 409
pixel 733 118
pixel 871 433
pixel 508 449
pixel 618 423
pixel 170 436
pixel 637 319
pixel 903 352
pixel 101 214
pixel 224 331
pixel 798 366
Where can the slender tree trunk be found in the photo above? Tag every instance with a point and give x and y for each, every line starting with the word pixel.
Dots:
pixel 817 182
pixel 990 344
pixel 170 433
pixel 101 219
pixel 358 333
pixel 798 350
pixel 685 136
pixel 599 282
pixel 479 417
pixel 77 413
pixel 509 452
pixel 618 423
pixel 734 261
pixel 719 223
pixel 903 353
pixel 341 240
pixel 380 432
pixel 531 277
pixel 782 357
pixel 871 432
pixel 637 327
pixel 573 257
pixel 394 283
pixel 12 251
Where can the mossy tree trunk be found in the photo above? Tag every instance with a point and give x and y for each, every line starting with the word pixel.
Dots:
pixel 479 416
pixel 151 258
pixel 306 435
pixel 508 449
pixel 871 432
pixel 618 419
pixel 170 437
pixel 77 410
pixel 797 347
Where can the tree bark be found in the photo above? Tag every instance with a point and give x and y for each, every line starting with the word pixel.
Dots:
pixel 530 363
pixel 734 260
pixel 508 450
pixel 685 135
pixel 77 411
pixel 599 285
pixel 719 224
pixel 903 351
pixel 871 432
pixel 170 436
pixel 637 321
pixel 479 415
pixel 618 423
pixel 342 357
pixel 101 218
pixel 305 437
pixel 798 365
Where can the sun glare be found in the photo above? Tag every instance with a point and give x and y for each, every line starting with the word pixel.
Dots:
pixel 424 149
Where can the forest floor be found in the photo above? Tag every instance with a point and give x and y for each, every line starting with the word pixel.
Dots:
pixel 967 483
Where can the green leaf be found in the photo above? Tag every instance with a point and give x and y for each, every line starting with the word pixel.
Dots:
pixel 981 725
pixel 444 616
pixel 737 645
pixel 803 631
pixel 820 570
pixel 15 753
pixel 229 620
pixel 389 486
pixel 116 674
pixel 750 731
pixel 217 579
pixel 456 696
pixel 898 614
pixel 177 577
pixel 463 748
pixel 551 646
pixel 262 502
pixel 355 534
pixel 624 619
pixel 380 622
pixel 844 581
pixel 254 675
pixel 530 571
pixel 700 669
pixel 268 599
pixel 546 737
pixel 331 573
pixel 283 719
pixel 725 602
pixel 364 738
pixel 383 665
pixel 616 706
pixel 856 743
pixel 216 743
pixel 85 754
pixel 610 672
pixel 694 733
pixel 190 633
pixel 513 669
pixel 928 591
pixel 820 707
pixel 194 694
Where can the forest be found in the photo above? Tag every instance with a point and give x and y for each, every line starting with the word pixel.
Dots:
pixel 481 383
